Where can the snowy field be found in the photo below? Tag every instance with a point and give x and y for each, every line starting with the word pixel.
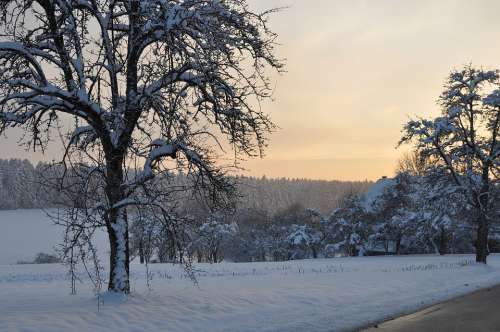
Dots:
pixel 310 295
pixel 24 233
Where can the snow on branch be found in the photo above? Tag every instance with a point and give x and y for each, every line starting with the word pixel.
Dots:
pixel 9 48
pixel 163 149
pixel 464 139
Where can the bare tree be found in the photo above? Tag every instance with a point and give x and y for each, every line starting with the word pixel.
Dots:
pixel 163 83
pixel 464 141
pixel 412 163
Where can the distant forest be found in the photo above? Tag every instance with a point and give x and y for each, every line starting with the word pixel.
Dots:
pixel 21 188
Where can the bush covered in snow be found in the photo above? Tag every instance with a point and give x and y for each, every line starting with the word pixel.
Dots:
pixel 43 258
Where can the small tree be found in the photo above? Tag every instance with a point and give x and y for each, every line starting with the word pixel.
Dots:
pixel 393 211
pixel 347 229
pixel 443 224
pixel 303 241
pixel 43 258
pixel 213 235
pixel 464 141
pixel 412 163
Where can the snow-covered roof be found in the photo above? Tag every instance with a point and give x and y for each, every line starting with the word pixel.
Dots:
pixel 376 191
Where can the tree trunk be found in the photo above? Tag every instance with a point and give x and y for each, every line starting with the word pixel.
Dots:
pixel 141 251
pixel 181 253
pixel 314 252
pixel 398 245
pixel 482 239
pixel 482 222
pixel 119 254
pixel 214 255
pixel 172 252
pixel 198 255
pixel 117 226
pixel 443 245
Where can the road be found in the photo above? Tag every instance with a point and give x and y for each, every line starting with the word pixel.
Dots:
pixel 475 312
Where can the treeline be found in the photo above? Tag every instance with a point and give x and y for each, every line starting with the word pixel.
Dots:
pixel 275 195
pixel 24 186
pixel 408 214
pixel 21 186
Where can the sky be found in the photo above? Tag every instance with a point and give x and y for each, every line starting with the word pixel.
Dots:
pixel 356 71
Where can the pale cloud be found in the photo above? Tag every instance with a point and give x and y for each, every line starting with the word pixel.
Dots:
pixel 357 70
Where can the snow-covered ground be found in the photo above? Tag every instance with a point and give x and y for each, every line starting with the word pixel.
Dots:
pixel 24 233
pixel 311 295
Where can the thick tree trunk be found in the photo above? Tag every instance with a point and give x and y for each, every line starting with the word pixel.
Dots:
pixel 119 253
pixel 482 239
pixel 482 220
pixel 117 226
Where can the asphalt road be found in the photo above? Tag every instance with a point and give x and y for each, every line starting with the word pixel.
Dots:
pixel 475 312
